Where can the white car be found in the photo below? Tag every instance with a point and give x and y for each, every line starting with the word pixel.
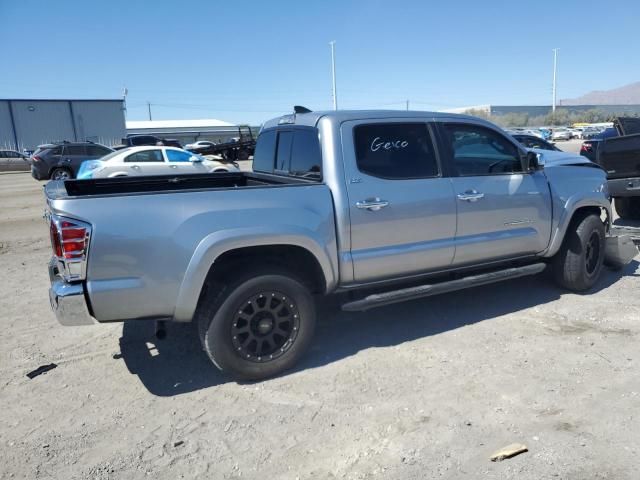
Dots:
pixel 199 144
pixel 577 132
pixel 137 161
pixel 561 134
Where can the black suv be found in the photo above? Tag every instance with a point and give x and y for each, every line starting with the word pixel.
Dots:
pixel 61 161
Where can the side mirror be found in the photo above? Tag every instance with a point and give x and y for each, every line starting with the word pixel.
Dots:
pixel 534 161
pixel 195 159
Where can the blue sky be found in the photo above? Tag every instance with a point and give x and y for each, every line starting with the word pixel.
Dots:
pixel 251 60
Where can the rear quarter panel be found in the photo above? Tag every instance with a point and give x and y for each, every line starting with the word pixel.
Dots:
pixel 150 253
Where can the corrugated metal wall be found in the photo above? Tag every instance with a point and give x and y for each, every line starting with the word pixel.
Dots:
pixel 101 122
pixel 42 121
pixel 7 138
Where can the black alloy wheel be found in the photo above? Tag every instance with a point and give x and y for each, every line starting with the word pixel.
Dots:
pixel 265 326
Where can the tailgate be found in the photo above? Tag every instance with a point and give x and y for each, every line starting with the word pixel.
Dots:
pixel 620 156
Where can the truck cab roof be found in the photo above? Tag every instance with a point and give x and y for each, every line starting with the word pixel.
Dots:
pixel 311 119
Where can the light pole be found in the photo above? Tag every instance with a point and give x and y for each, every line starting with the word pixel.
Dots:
pixel 125 92
pixel 149 108
pixel 333 74
pixel 555 74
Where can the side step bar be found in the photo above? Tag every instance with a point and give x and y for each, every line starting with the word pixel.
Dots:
pixel 395 296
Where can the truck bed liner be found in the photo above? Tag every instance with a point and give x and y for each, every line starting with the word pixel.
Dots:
pixel 163 183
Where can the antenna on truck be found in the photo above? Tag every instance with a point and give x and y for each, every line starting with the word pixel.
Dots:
pixel 300 109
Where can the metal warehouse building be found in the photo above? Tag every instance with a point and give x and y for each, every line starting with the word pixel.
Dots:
pixel 25 124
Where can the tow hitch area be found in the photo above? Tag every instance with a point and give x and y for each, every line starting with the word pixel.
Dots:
pixel 621 246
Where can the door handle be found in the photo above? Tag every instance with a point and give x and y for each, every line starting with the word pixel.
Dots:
pixel 372 204
pixel 470 196
pixel 173 166
pixel 135 167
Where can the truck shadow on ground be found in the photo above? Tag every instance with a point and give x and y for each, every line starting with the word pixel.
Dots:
pixel 177 364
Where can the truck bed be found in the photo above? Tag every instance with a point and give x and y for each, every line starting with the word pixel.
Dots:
pixel 154 238
pixel 167 183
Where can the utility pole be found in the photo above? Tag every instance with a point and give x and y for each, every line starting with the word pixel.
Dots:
pixel 555 75
pixel 333 74
pixel 149 108
pixel 407 105
pixel 124 100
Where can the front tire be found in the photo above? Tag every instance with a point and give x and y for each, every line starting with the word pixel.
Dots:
pixel 257 326
pixel 578 264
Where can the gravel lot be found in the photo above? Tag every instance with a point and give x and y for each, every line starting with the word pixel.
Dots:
pixel 427 389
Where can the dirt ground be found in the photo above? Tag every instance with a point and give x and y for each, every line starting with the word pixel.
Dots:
pixel 427 389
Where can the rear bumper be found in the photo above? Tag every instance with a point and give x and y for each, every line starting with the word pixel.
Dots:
pixel 37 174
pixel 67 300
pixel 624 187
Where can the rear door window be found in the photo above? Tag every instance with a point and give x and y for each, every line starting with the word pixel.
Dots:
pixel 75 150
pixel 177 156
pixel 145 156
pixel 395 150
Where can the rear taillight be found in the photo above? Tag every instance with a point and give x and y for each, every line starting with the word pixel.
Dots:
pixel 74 238
pixel 36 158
pixel 70 241
pixel 585 147
pixel 55 239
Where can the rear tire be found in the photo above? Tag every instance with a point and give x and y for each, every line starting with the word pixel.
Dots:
pixel 578 264
pixel 628 208
pixel 258 325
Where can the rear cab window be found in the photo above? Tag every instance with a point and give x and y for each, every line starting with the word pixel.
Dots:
pixel 395 150
pixel 289 151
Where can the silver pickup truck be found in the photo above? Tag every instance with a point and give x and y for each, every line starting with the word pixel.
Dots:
pixel 377 206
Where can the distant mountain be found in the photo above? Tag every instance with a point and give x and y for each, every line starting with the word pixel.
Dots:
pixel 626 95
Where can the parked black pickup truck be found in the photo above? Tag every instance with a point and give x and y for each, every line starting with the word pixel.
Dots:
pixel 134 140
pixel 619 155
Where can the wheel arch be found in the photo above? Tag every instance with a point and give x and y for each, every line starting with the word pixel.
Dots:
pixel 216 256
pixel 578 209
